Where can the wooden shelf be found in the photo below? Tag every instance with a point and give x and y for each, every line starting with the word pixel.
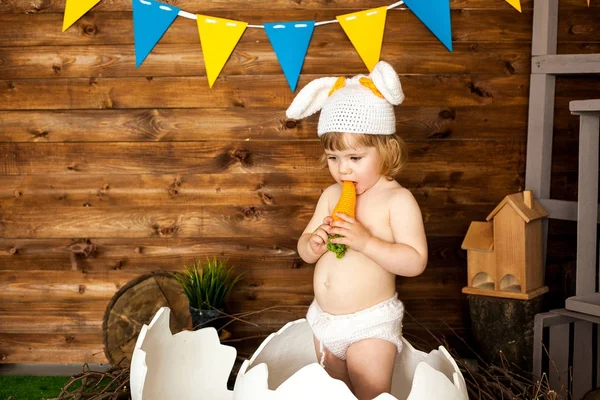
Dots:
pixel 589 304
pixel 584 106
pixel 506 294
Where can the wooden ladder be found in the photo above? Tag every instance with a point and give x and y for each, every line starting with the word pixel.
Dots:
pixel 583 310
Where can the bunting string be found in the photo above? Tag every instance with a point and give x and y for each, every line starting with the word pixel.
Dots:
pixel 189 15
pixel 290 40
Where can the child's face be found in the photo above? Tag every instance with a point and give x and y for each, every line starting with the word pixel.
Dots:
pixel 359 164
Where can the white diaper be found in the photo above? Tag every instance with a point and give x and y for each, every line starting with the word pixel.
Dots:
pixel 338 332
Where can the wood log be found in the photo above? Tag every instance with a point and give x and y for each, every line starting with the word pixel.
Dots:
pixel 134 305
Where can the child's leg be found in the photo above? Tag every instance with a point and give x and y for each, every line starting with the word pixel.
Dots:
pixel 335 367
pixel 370 364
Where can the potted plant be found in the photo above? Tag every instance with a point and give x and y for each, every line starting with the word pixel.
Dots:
pixel 207 286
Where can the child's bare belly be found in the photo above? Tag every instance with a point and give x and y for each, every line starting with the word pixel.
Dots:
pixel 350 284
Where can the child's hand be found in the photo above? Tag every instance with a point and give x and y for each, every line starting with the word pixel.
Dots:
pixel 318 239
pixel 354 234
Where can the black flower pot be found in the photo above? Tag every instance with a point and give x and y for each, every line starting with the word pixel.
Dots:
pixel 205 318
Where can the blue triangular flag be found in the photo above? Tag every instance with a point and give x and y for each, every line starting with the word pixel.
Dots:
pixel 151 20
pixel 290 42
pixel 435 14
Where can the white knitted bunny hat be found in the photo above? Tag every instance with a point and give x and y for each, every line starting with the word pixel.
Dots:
pixel 362 104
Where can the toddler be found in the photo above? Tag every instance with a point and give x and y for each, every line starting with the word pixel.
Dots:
pixel 356 316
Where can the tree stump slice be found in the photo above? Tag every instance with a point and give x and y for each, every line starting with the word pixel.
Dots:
pixel 134 305
pixel 504 325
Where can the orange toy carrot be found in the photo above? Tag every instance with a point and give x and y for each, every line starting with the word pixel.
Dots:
pixel 347 205
pixel 347 202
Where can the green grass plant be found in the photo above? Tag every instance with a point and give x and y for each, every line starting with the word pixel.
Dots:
pixel 31 387
pixel 207 285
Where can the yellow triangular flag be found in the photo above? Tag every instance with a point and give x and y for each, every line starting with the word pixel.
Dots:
pixel 218 38
pixel 75 9
pixel 515 3
pixel 365 31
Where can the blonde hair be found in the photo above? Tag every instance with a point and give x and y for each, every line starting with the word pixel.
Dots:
pixel 391 149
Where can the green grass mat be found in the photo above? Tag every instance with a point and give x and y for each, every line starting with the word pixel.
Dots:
pixel 31 387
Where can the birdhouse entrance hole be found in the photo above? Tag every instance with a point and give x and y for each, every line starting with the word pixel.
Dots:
pixel 483 280
pixel 510 284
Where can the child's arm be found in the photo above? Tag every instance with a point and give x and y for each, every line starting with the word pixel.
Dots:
pixel 407 256
pixel 313 242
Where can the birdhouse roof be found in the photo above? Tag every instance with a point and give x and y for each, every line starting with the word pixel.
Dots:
pixel 516 201
pixel 480 236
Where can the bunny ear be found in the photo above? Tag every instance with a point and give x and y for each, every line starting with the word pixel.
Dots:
pixel 387 82
pixel 311 98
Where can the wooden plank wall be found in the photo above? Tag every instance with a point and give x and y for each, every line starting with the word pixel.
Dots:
pixel 154 169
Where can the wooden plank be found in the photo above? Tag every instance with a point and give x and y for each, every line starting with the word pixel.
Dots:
pixel 545 25
pixel 165 253
pixel 587 210
pixel 587 304
pixel 236 158
pixel 263 282
pixel 281 189
pixel 555 318
pixel 66 323
pixel 196 222
pixel 57 348
pixel 69 323
pixel 251 58
pixel 539 136
pixel 559 373
pixel 566 64
pixel 41 6
pixel 402 25
pixel 206 221
pixel 469 25
pixel 582 359
pixel 578 316
pixel 152 253
pixel 506 294
pixel 265 123
pixel 560 209
pixel 166 125
pixel 541 117
pixel 543 320
pixel 538 344
pixel 239 91
pixel 583 107
pixel 80 348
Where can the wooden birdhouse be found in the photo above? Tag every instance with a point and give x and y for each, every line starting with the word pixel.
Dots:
pixel 505 254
